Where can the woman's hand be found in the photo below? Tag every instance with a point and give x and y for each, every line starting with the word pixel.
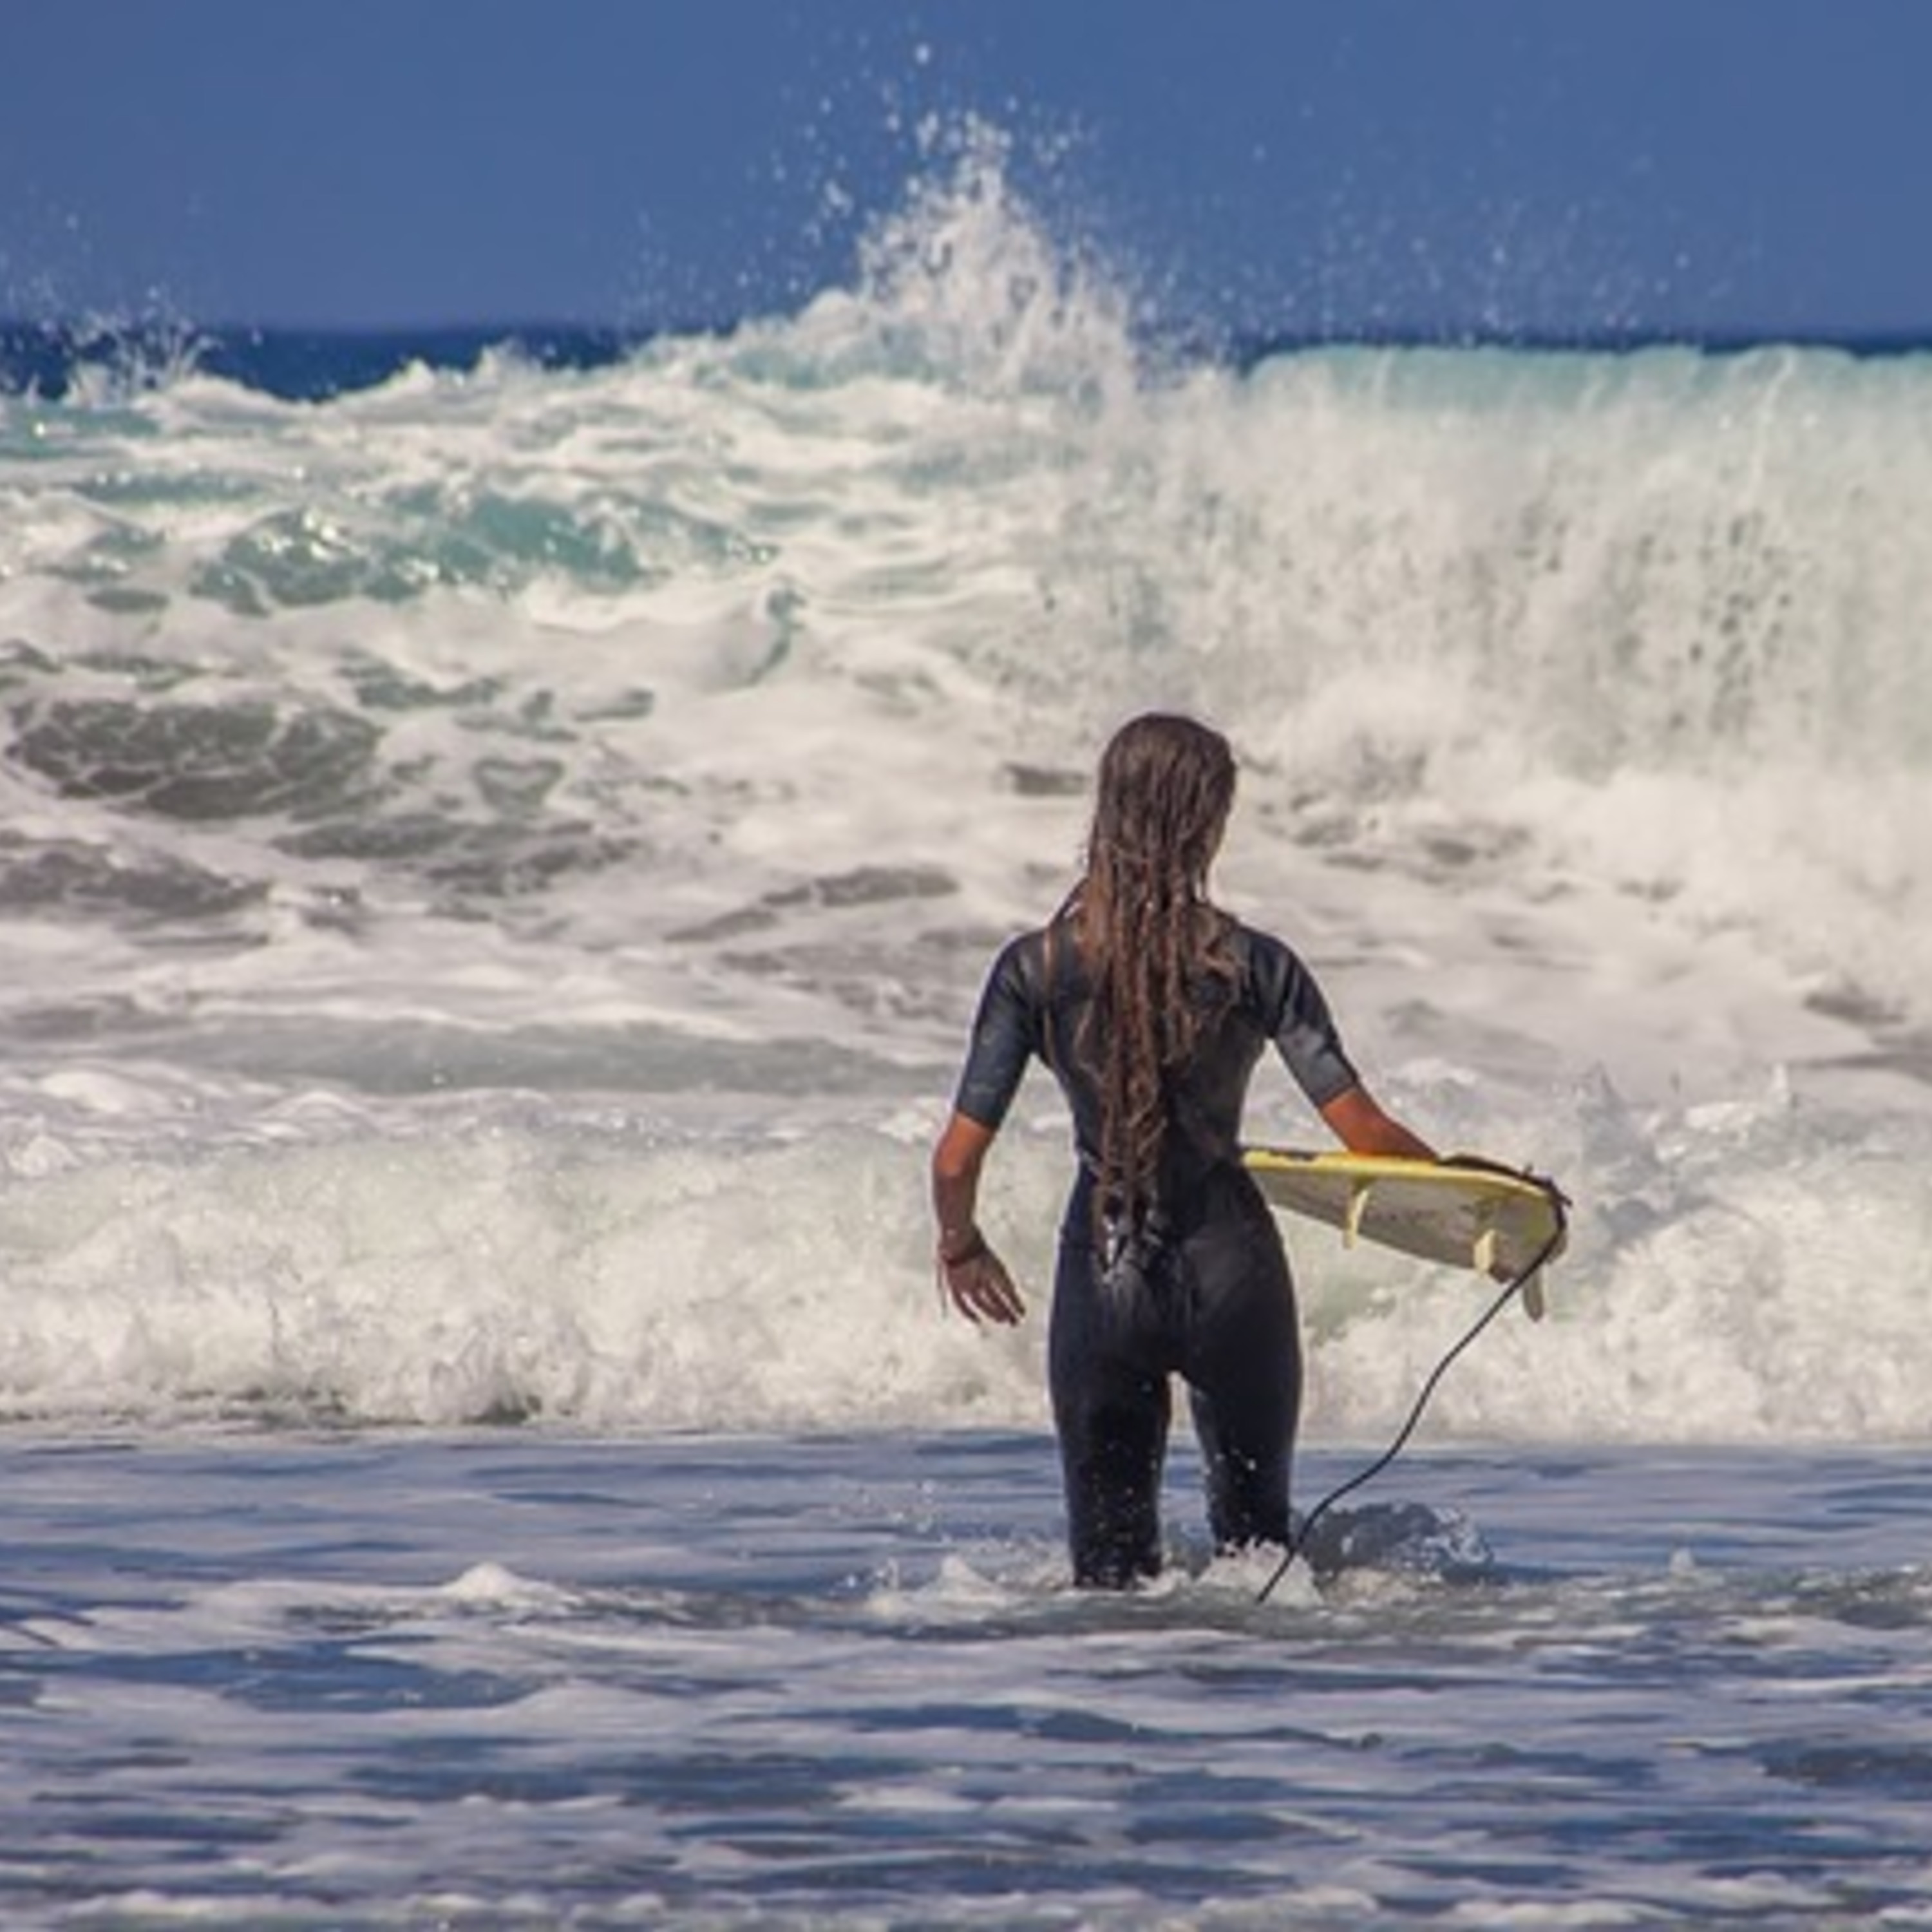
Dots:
pixel 971 1277
pixel 976 1281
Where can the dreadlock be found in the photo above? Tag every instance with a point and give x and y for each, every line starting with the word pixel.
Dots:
pixel 1149 936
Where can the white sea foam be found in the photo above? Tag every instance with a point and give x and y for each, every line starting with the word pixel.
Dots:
pixel 1738 1273
pixel 496 867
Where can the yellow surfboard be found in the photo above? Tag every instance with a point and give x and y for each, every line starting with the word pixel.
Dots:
pixel 1467 1213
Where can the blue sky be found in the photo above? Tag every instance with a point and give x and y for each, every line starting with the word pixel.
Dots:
pixel 1535 167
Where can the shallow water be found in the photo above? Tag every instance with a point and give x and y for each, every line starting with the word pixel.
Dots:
pixel 509 1678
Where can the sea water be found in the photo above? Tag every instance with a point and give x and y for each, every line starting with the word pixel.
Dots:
pixel 497 859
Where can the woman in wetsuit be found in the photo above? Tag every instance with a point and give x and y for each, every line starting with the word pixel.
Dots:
pixel 1152 1006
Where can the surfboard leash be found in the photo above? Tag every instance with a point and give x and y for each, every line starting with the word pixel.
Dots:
pixel 1297 1539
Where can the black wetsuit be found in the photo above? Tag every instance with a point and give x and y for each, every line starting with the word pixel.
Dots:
pixel 1204 1292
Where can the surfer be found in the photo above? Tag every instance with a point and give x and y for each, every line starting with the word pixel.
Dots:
pixel 1152 1006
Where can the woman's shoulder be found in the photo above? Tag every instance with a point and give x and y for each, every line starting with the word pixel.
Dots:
pixel 1254 942
pixel 1269 963
pixel 1025 958
pixel 1044 961
pixel 1029 945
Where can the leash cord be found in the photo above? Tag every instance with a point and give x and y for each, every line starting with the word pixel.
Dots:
pixel 1297 1540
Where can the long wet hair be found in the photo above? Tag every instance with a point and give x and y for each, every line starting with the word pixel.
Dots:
pixel 1152 944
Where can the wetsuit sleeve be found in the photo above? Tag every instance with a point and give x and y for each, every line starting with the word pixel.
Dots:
pixel 1007 1032
pixel 1297 1018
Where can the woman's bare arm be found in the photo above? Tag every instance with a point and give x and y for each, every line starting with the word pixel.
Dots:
pixel 1356 1119
pixel 972 1275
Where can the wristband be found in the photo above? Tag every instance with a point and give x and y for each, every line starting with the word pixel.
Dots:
pixel 976 1247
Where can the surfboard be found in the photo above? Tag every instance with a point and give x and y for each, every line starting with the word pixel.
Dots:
pixel 1468 1213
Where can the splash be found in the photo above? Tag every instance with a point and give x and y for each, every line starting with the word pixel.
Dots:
pixel 964 282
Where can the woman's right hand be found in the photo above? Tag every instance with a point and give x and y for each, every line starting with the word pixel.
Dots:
pixel 978 1285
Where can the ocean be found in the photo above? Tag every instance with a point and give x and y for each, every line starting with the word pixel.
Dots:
pixel 500 834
